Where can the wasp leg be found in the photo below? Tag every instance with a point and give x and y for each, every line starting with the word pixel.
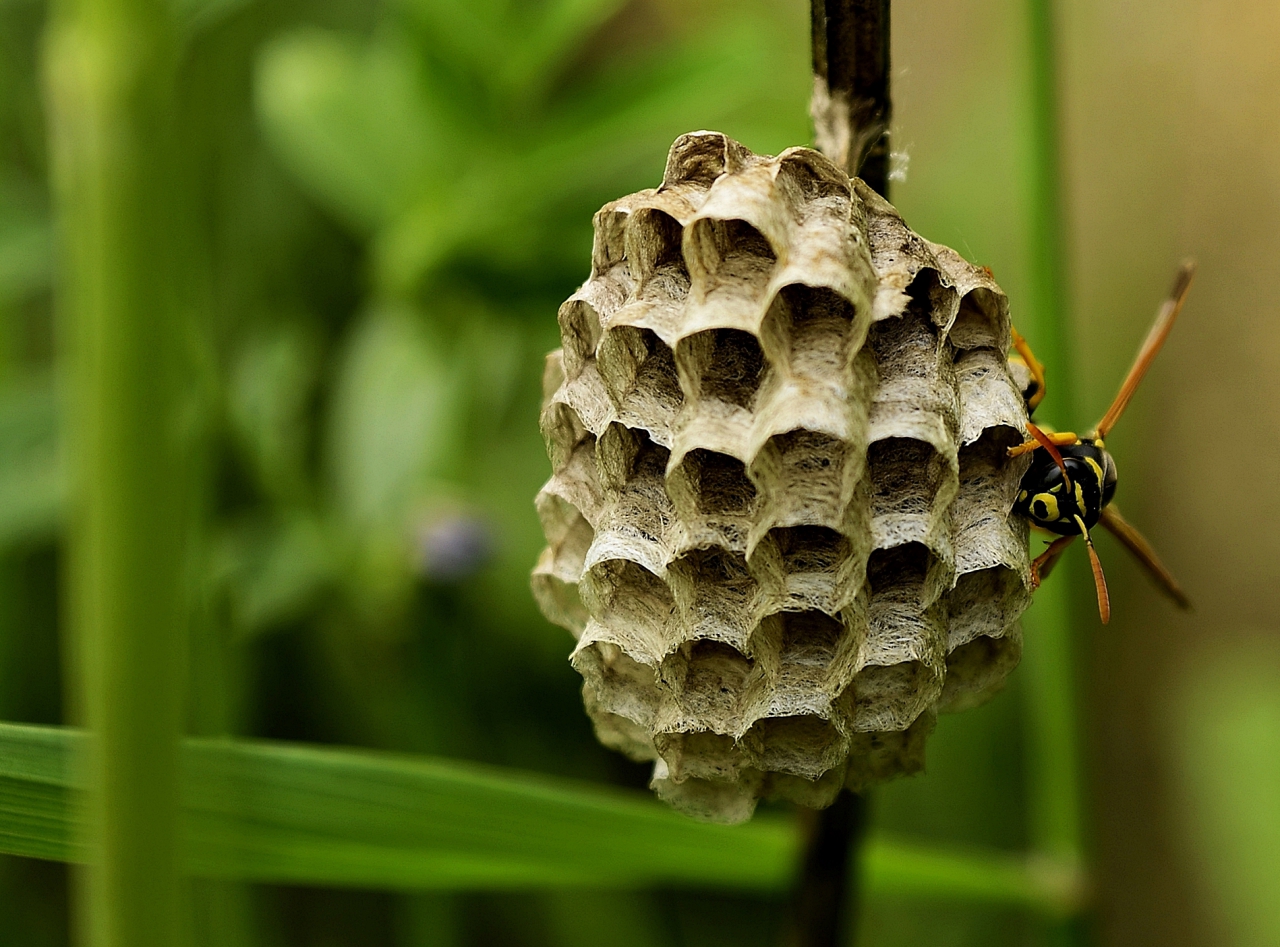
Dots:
pixel 1056 438
pixel 1043 564
pixel 1034 365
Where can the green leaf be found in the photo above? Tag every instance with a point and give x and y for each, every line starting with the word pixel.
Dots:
pixel 26 240
pixel 393 439
pixel 268 399
pixel 196 16
pixel 26 259
pixel 1226 740
pixel 287 813
pixel 393 423
pixel 514 49
pixel 350 120
pixel 276 569
pixel 525 202
pixel 33 483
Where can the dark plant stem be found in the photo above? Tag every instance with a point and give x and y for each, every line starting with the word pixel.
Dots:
pixel 851 112
pixel 824 906
pixel 851 107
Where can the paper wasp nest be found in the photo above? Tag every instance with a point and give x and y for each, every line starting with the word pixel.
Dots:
pixel 779 522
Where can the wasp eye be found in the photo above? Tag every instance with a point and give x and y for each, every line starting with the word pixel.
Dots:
pixel 1108 470
pixel 1045 507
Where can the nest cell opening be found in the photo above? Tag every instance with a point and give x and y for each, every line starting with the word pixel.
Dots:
pixel 643 508
pixel 654 246
pixel 579 333
pixel 577 483
pixel 984 604
pixel 718 593
pixel 720 483
pixel 891 696
pixel 976 671
pixel 716 678
pixel 621 671
pixel 905 346
pixel 617 451
pixel 729 253
pixel 608 248
pixel 990 452
pixel 815 324
pixel 804 181
pixel 566 529
pixel 809 639
pixel 808 468
pixel 563 431
pixel 977 322
pixel 631 601
pixel 900 571
pixel 725 364
pixel 802 745
pixel 618 684
pixel 699 158
pixel 930 299
pixel 810 549
pixel 639 373
pixel 906 475
pixel 698 755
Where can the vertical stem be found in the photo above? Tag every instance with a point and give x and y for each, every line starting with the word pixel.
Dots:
pixel 109 69
pixel 1054 800
pixel 824 906
pixel 851 107
pixel 1049 310
pixel 852 111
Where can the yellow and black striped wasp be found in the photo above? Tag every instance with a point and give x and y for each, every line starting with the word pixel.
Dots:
pixel 1071 481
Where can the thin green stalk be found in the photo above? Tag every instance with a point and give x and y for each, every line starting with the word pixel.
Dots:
pixel 109 69
pixel 1054 799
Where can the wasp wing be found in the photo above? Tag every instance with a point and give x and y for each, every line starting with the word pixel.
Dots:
pixel 1134 541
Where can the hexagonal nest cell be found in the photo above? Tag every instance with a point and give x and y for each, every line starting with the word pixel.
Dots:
pixel 779 523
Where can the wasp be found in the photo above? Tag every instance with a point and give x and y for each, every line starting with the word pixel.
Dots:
pixel 1069 487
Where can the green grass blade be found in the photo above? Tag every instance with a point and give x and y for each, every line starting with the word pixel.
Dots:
pixel 40 813
pixel 274 812
pixel 896 867
pixel 297 813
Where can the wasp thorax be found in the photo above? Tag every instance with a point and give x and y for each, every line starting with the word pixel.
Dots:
pixel 780 519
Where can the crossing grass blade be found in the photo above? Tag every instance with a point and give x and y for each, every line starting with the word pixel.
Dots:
pixel 289 813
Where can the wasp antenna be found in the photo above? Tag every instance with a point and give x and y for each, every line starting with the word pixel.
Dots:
pixel 1045 441
pixel 1169 310
pixel 1099 580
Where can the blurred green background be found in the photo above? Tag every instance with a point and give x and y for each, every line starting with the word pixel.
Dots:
pixel 389 200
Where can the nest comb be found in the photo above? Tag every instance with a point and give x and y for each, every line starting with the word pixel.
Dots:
pixel 779 523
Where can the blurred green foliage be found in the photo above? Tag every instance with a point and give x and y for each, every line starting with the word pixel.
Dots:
pixel 1225 738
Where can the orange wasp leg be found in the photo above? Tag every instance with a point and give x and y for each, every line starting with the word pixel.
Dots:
pixel 1056 438
pixel 1043 564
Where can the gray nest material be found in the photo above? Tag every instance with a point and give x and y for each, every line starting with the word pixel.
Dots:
pixel 779 524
